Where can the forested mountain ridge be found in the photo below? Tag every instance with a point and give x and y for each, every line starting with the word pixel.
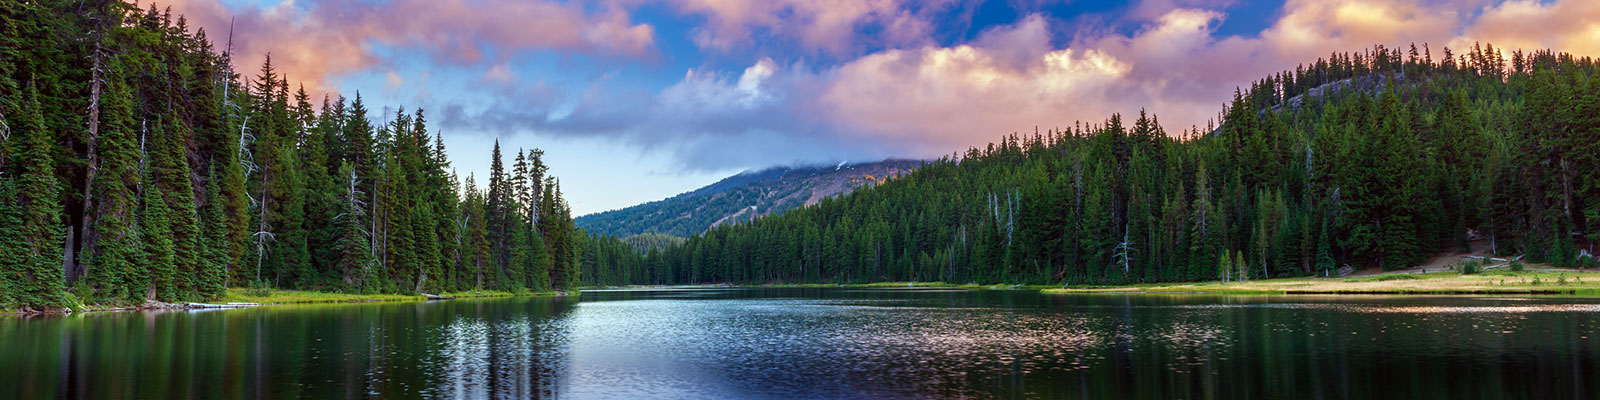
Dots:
pixel 136 165
pixel 1375 159
pixel 743 197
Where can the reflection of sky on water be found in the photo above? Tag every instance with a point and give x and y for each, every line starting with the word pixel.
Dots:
pixel 823 343
pixel 829 348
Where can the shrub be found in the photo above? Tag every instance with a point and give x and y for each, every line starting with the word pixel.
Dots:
pixel 259 289
pixel 83 293
pixel 1561 280
pixel 1516 266
pixel 74 303
pixel 1587 262
pixel 1470 267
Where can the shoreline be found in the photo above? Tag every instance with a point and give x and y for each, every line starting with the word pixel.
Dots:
pixel 1535 282
pixel 1540 282
pixel 1544 282
pixel 244 298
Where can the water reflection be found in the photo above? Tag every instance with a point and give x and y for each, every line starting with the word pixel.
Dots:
pixel 822 343
pixel 462 349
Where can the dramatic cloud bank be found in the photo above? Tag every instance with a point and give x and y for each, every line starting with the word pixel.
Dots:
pixel 320 39
pixel 836 79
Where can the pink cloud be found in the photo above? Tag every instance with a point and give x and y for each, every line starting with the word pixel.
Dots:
pixel 1572 26
pixel 316 41
pixel 914 98
pixel 939 99
pixel 930 100
pixel 823 25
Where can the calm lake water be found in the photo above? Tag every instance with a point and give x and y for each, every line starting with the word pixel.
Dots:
pixel 823 343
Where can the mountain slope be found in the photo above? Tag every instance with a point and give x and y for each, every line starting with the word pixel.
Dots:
pixel 1385 161
pixel 743 197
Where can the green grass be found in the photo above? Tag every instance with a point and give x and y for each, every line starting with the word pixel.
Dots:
pixel 1563 283
pixel 1160 289
pixel 242 295
pixel 494 293
pixel 864 285
pixel 1392 277
pixel 275 296
pixel 914 284
pixel 1401 277
pixel 886 285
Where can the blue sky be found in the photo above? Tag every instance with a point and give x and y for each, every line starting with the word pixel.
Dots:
pixel 637 100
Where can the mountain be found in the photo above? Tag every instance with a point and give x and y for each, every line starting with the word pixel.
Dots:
pixel 1376 160
pixel 743 197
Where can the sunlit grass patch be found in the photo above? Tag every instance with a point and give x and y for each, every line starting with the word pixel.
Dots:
pixel 917 284
pixel 495 293
pixel 1386 278
pixel 244 295
pixel 1551 282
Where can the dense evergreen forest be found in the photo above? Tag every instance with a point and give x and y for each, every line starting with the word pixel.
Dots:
pixel 136 165
pixel 1375 159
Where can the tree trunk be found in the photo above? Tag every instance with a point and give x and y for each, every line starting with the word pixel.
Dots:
pixel 83 240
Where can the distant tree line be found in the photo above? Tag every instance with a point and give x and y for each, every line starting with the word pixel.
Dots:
pixel 1374 159
pixel 136 165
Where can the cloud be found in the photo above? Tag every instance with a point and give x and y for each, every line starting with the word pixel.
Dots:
pixel 708 120
pixel 1572 26
pixel 888 86
pixel 313 41
pixel 830 26
pixel 1311 28
pixel 499 73
pixel 392 80
pixel 932 100
pixel 940 99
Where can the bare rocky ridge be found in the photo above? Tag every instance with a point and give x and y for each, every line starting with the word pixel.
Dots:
pixel 744 197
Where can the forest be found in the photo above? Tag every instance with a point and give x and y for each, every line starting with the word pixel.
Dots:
pixel 137 165
pixel 1375 159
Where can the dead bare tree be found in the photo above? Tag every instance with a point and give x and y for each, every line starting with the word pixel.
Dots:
pixel 1124 252
pixel 355 208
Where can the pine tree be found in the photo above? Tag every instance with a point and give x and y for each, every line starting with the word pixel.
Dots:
pixel 32 239
pixel 323 191
pixel 1206 238
pixel 115 252
pixel 477 232
pixel 1325 262
pixel 355 263
pixel 212 278
pixel 497 216
pixel 1225 267
pixel 171 171
pixel 159 253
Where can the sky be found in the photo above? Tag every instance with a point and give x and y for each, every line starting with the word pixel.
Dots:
pixel 638 100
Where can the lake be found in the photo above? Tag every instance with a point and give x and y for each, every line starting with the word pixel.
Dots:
pixel 823 343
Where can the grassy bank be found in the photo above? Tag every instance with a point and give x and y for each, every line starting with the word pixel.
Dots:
pixel 275 296
pixel 903 285
pixel 873 285
pixel 1556 282
pixel 278 296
